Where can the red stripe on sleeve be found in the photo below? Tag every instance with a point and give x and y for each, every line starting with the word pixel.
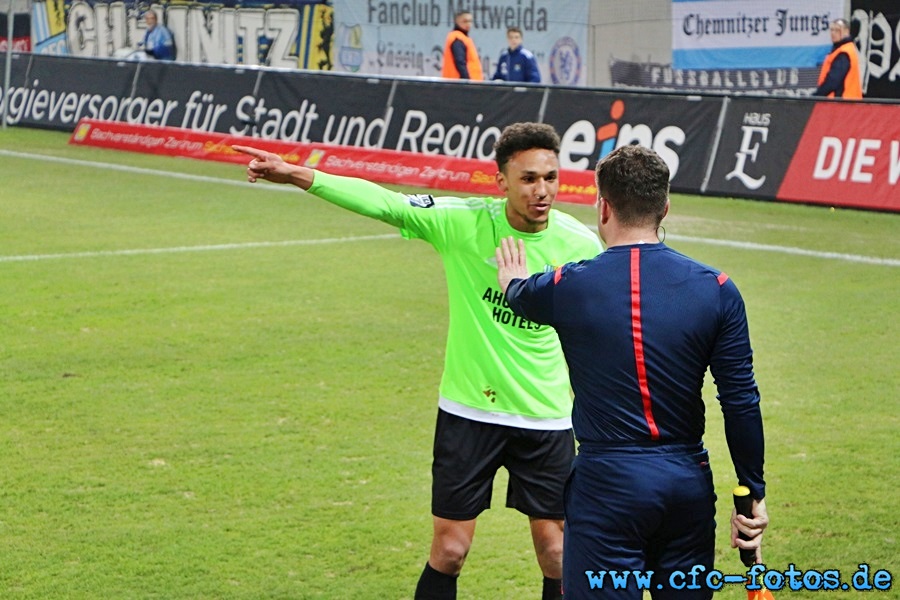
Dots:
pixel 637 335
pixel 722 278
pixel 557 275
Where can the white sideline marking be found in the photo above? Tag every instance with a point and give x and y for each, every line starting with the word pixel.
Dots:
pixel 857 258
pixel 212 247
pixel 143 171
pixel 872 260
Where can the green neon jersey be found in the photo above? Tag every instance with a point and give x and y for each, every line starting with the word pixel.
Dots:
pixel 495 361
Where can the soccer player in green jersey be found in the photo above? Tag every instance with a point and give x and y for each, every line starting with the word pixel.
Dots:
pixel 504 396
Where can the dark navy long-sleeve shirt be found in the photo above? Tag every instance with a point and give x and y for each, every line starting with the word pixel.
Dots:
pixel 639 326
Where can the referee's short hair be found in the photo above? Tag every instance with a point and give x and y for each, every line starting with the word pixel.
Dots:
pixel 634 180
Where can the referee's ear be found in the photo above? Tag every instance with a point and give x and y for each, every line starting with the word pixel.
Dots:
pixel 604 210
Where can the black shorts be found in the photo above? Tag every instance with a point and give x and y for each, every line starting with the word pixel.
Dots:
pixel 467 455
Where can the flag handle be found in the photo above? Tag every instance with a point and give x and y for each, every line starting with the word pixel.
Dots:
pixel 743 504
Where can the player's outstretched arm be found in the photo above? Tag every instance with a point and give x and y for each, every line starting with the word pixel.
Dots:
pixel 358 195
pixel 271 167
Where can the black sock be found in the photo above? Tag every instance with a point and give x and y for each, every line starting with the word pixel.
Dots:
pixel 552 589
pixel 434 585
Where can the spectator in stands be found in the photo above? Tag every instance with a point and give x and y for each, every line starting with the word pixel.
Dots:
pixel 158 42
pixel 516 63
pixel 460 54
pixel 840 75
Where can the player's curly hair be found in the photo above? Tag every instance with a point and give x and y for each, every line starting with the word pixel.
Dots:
pixel 519 137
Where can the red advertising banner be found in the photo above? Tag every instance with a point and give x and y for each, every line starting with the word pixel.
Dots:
pixel 20 44
pixel 384 166
pixel 848 155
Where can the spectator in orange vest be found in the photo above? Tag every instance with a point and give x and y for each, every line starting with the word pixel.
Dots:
pixel 840 75
pixel 460 54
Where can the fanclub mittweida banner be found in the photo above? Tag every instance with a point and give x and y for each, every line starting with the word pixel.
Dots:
pixel 406 37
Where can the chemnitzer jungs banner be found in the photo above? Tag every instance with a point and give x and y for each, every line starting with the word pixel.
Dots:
pixel 735 34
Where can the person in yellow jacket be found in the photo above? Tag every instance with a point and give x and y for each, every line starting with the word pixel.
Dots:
pixel 840 75
pixel 460 54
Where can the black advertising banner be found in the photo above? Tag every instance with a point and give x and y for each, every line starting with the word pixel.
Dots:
pixel 313 107
pixel 18 73
pixel 679 128
pixel 458 119
pixel 759 137
pixel 58 91
pixel 876 26
pixel 18 89
pixel 202 98
pixel 773 81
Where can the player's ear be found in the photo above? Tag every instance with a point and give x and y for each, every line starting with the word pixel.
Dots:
pixel 501 182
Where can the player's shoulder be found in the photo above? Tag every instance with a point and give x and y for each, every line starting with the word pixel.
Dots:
pixel 453 207
pixel 565 219
pixel 565 224
pixel 469 203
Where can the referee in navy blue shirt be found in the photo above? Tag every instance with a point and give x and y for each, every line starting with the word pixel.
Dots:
pixel 639 325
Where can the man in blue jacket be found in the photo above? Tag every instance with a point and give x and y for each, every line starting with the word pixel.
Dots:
pixel 158 42
pixel 516 63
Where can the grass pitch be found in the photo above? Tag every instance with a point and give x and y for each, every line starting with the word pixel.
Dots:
pixel 216 390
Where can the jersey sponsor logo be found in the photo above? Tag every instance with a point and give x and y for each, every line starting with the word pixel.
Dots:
pixel 420 200
pixel 502 314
